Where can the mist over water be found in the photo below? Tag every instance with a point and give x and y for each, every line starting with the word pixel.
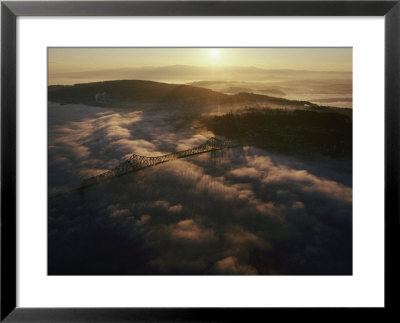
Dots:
pixel 278 203
pixel 324 88
pixel 235 211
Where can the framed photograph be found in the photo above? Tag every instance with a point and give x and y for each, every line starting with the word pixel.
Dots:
pixel 198 160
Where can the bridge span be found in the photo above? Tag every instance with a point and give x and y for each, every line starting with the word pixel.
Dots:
pixel 136 162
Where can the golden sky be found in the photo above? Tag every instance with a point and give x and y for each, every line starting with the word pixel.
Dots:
pixel 67 61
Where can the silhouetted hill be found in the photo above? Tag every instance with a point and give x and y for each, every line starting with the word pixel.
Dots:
pixel 125 91
pixel 113 92
pixel 259 98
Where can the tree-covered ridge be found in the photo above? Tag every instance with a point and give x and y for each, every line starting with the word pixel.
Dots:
pixel 298 131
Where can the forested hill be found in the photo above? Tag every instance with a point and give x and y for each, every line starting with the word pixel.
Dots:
pixel 121 92
pixel 299 131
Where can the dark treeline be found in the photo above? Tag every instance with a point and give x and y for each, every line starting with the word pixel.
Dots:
pixel 298 131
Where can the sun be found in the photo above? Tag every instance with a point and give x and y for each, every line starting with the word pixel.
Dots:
pixel 214 53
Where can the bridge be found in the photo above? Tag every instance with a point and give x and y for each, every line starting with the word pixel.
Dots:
pixel 136 162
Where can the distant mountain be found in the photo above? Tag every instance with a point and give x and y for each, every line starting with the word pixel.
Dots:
pixel 235 89
pixel 113 93
pixel 189 73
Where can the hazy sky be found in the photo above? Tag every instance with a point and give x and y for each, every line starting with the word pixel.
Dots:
pixel 90 59
pixel 183 65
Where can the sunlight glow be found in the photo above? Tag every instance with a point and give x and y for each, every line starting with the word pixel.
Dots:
pixel 214 53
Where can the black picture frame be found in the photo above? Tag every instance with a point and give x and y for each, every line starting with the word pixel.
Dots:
pixel 10 10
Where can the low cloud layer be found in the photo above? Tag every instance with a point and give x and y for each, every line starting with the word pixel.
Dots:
pixel 240 211
pixel 194 73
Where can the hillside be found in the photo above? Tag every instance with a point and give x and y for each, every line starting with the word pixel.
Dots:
pixel 112 93
pixel 300 131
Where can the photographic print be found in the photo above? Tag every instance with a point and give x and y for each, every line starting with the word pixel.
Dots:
pixel 200 161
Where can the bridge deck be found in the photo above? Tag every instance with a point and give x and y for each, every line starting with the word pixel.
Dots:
pixel 136 162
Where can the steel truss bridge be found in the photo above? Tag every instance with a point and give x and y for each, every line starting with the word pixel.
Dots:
pixel 136 162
